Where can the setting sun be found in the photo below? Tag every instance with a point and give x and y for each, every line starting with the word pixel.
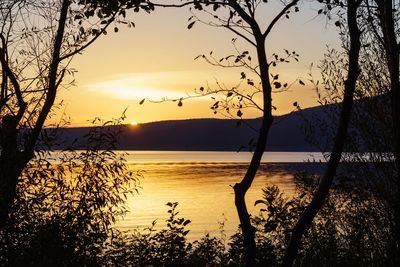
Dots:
pixel 133 123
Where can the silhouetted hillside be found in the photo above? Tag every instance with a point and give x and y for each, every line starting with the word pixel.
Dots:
pixel 209 134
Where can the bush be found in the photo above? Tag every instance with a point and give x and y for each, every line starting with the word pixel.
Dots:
pixel 166 247
pixel 64 209
pixel 352 229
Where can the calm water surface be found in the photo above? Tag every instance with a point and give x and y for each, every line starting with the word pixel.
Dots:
pixel 202 184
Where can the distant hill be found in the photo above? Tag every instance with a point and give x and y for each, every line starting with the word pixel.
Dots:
pixel 208 134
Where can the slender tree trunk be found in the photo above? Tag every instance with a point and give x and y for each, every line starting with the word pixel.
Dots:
pixel 326 181
pixel 392 51
pixel 241 188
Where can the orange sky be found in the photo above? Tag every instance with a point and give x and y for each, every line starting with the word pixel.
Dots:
pixel 156 59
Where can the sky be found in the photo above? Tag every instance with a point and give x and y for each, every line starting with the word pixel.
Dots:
pixel 156 59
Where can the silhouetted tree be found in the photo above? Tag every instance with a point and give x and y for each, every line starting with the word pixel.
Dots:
pixel 239 16
pixel 63 213
pixel 388 37
pixel 326 181
pixel 374 126
pixel 37 42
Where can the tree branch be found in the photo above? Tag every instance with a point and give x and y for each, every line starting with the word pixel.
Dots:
pixel 52 80
pixel 326 181
pixel 239 34
pixel 188 4
pixel 275 20
pixel 80 49
pixel 13 79
pixel 249 20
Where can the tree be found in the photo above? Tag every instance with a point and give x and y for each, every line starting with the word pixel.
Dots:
pixel 38 41
pixel 63 213
pixel 326 181
pixel 239 16
pixel 374 123
pixel 388 39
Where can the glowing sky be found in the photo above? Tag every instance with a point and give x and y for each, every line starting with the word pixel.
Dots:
pixel 156 59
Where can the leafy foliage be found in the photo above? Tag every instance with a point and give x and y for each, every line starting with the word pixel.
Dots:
pixel 166 247
pixel 65 206
pixel 351 229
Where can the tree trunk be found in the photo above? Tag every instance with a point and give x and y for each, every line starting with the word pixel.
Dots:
pixel 326 181
pixel 241 188
pixel 9 174
pixel 392 51
pixel 12 163
pixel 13 159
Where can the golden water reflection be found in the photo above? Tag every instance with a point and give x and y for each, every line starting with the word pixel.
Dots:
pixel 204 192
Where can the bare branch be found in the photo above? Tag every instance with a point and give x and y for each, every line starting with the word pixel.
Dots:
pixel 275 20
pixel 12 77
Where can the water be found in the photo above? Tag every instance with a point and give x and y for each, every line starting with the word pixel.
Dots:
pixel 217 157
pixel 202 184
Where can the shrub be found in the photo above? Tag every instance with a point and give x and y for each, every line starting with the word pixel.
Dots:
pixel 65 208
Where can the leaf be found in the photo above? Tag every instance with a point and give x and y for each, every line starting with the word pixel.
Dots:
pixel 301 82
pixel 191 25
pixel 142 101
pixel 277 85
pixel 239 113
